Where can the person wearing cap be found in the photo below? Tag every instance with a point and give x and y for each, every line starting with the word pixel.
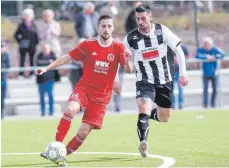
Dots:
pixel 209 54
pixel 27 37
pixel 5 63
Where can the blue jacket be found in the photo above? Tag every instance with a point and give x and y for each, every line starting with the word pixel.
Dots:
pixel 209 68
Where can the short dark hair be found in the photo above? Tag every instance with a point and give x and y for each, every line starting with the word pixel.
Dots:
pixel 104 16
pixel 143 8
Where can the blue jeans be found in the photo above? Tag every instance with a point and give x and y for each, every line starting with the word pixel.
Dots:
pixel 3 96
pixel 180 92
pixel 117 97
pixel 43 88
pixel 214 80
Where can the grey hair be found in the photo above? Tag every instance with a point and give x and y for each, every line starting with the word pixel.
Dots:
pixel 88 5
pixel 48 11
pixel 29 12
pixel 209 40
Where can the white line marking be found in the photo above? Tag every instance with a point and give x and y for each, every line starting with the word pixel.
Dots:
pixel 168 161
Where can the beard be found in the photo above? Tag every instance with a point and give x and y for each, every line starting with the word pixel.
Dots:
pixel 142 28
pixel 105 36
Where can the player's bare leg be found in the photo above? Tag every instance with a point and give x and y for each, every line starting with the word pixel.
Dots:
pixel 161 114
pixel 65 122
pixel 77 140
pixel 144 106
pixel 64 125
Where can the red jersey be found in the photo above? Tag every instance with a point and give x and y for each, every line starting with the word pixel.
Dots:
pixel 100 64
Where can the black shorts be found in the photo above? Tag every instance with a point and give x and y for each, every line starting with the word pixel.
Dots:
pixel 161 94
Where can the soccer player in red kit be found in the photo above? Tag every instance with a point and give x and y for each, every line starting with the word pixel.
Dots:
pixel 101 58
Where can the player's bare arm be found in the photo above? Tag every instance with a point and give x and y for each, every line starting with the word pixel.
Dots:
pixel 128 67
pixel 58 62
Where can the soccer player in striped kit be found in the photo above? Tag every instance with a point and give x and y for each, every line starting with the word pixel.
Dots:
pixel 151 45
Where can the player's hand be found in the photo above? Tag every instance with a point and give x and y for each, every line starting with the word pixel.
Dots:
pixel 183 80
pixel 117 87
pixel 128 55
pixel 211 58
pixel 40 71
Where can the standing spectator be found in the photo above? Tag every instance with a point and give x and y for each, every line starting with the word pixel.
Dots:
pixel 86 28
pixel 76 73
pixel 209 54
pixel 117 96
pixel 176 80
pixel 5 63
pixel 86 22
pixel 49 32
pixel 46 81
pixel 27 37
pixel 131 23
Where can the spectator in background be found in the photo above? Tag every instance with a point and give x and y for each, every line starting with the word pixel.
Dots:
pixel 27 37
pixel 106 7
pixel 117 96
pixel 86 22
pixel 176 80
pixel 46 81
pixel 49 32
pixel 131 20
pixel 76 73
pixel 209 54
pixel 5 63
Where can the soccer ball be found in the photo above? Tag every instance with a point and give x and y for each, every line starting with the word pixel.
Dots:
pixel 56 151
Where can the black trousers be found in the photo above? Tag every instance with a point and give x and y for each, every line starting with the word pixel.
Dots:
pixel 214 81
pixel 23 51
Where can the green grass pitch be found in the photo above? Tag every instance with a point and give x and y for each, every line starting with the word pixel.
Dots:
pixel 191 142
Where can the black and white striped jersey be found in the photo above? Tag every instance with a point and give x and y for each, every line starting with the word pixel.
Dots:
pixel 150 55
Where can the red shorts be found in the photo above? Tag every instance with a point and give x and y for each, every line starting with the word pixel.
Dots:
pixel 94 113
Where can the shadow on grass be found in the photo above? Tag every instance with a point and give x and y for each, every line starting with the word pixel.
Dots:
pixel 101 159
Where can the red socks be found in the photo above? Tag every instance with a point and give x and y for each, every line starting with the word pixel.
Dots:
pixel 74 144
pixel 63 127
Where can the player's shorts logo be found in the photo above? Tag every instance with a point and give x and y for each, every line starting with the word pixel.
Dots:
pixel 138 93
pixel 74 95
pixel 110 57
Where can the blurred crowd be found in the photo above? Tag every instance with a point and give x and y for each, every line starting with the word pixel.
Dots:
pixel 42 44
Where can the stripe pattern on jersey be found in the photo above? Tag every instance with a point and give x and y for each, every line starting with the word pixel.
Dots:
pixel 156 71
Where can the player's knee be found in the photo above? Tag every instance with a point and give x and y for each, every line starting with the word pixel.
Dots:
pixel 144 104
pixel 72 110
pixel 143 107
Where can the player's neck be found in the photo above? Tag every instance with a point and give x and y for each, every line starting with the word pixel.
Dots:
pixel 148 30
pixel 105 43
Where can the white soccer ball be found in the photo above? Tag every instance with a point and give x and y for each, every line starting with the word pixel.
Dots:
pixel 56 151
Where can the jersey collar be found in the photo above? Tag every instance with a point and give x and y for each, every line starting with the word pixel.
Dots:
pixel 104 45
pixel 152 29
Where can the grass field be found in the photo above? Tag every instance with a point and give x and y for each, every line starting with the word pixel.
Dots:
pixel 191 142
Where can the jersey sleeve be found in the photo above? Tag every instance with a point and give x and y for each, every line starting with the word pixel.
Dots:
pixel 79 53
pixel 170 38
pixel 122 55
